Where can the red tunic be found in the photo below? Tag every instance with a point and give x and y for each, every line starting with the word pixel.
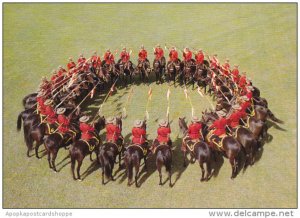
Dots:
pixel 61 72
pixel 138 135
pixel 235 74
pixel 194 130
pixel 85 131
pixel 244 106
pixel 81 60
pixel 159 53
pixel 173 55
pixel 71 65
pixel 234 119
pixel 242 81
pixel 163 134
pixel 219 126
pixel 113 132
pixel 142 55
pixel 214 62
pixel 124 56
pixel 249 94
pixel 187 55
pixel 199 57
pixel 109 57
pixel 226 68
pixel 96 61
pixel 64 123
pixel 40 106
pixel 51 116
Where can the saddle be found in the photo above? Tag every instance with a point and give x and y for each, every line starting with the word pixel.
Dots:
pixel 159 145
pixel 51 128
pixel 190 143
pixel 119 147
pixel 91 147
pixel 215 140
pixel 144 150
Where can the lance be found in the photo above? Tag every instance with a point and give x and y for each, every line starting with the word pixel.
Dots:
pixel 85 97
pixel 188 97
pixel 149 99
pixel 124 114
pixel 68 94
pixel 224 95
pixel 201 94
pixel 106 97
pixel 168 99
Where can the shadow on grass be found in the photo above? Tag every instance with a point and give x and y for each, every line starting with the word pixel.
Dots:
pixel 92 168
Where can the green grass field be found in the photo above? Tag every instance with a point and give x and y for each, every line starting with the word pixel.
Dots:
pixel 261 38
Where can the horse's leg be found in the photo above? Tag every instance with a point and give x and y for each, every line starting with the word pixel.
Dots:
pixel 103 175
pixel 137 170
pixel 54 155
pixel 91 158
pixel 234 165
pixel 37 149
pixel 159 172
pixel 48 158
pixel 202 169
pixel 184 158
pixel 73 166
pixel 78 169
pixel 145 162
pixel 120 159
pixel 170 177
pixel 28 150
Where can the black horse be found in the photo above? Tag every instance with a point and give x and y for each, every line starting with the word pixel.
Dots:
pixel 81 148
pixel 164 158
pixel 198 150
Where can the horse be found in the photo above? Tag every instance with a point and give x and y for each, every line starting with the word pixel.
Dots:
pixel 164 158
pixel 56 140
pixel 29 118
pixel 229 147
pixel 201 78
pixel 132 158
pixel 81 148
pixel 124 72
pixel 143 69
pixel 107 156
pixel 199 151
pixel 158 70
pixel 188 70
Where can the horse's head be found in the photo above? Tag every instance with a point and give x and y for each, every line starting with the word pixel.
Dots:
pixel 100 124
pixel 182 125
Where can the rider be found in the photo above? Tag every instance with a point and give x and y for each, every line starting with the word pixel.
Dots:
pixel 234 118
pixel 242 81
pixel 71 64
pixel 40 99
pixel 138 133
pixel 96 62
pixel 159 53
pixel 125 57
pixel 187 55
pixel 214 62
pixel 199 56
pixel 113 131
pixel 109 57
pixel 61 71
pixel 235 74
pixel 51 117
pixel 194 132
pixel 81 59
pixel 219 125
pixel 64 123
pixel 226 68
pixel 87 130
pixel 163 135
pixel 173 55
pixel 143 55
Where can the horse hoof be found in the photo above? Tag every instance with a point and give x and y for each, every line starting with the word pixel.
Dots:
pixel 160 183
pixel 80 180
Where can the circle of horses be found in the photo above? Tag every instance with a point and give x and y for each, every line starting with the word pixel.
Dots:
pixel 85 79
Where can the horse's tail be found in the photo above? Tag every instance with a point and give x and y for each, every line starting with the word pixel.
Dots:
pixel 19 122
pixel 273 118
pixel 27 137
pixel 168 160
pixel 105 163
pixel 129 165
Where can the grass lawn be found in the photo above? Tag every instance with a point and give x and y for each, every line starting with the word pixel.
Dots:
pixel 261 38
